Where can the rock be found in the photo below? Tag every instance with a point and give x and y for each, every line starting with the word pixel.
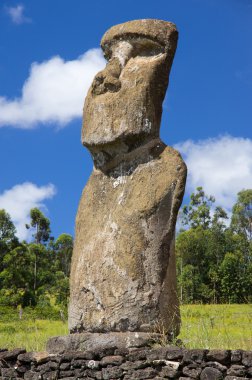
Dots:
pixel 192 371
pixel 26 357
pixel 9 373
pixel 235 378
pixel 174 353
pixel 167 363
pixel 247 358
pixel 221 356
pixel 50 375
pixel 21 368
pixel 142 374
pixel 236 356
pixel 157 353
pixel 194 355
pixel 171 370
pixel 210 373
pixel 138 364
pixel 30 375
pixel 111 360
pixel 97 343
pixel 66 366
pixel 123 275
pixel 38 357
pixel 112 373
pixel 121 351
pixel 73 355
pixel 93 364
pixel 237 370
pixel 11 355
pixel 66 374
pixel 137 354
pixel 216 365
pixel 249 371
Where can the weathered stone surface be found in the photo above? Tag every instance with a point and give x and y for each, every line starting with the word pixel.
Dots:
pixel 171 370
pixel 157 353
pixel 237 370
pixel 71 355
pixel 247 358
pixel 123 266
pixel 112 373
pixel 137 364
pixel 30 375
pixel 93 343
pixel 221 356
pixel 192 371
pixel 216 365
pixel 38 357
pixel 236 356
pixel 11 355
pixel 9 373
pixel 195 355
pixel 53 375
pixel 137 354
pixel 111 360
pixel 142 374
pixel 210 373
pixel 235 378
pixel 249 371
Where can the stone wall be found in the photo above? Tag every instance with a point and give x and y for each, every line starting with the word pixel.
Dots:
pixel 134 363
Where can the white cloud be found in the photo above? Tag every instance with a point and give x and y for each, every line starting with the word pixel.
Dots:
pixel 222 166
pixel 17 14
pixel 20 199
pixel 54 92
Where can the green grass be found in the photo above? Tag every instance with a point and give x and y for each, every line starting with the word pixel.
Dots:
pixel 217 326
pixel 203 326
pixel 30 334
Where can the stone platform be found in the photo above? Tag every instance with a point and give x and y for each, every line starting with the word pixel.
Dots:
pixel 101 341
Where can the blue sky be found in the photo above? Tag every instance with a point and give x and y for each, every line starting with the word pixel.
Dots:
pixel 48 57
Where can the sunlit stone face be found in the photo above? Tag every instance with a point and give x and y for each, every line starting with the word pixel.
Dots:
pixel 125 99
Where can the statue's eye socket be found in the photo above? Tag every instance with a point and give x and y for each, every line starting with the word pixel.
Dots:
pixel 144 47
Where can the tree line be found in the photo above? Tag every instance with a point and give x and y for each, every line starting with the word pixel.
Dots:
pixel 214 257
pixel 36 272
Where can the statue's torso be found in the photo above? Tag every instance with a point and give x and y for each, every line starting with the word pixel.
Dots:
pixel 123 257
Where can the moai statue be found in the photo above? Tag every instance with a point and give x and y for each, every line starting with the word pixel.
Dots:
pixel 123 275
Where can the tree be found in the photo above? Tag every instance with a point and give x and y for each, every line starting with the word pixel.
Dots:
pixel 241 221
pixel 41 226
pixel 7 228
pixel 61 288
pixel 214 261
pixel 41 235
pixel 201 247
pixel 16 276
pixel 192 264
pixel 64 249
pixel 235 278
pixel 43 268
pixel 197 213
pixel 8 239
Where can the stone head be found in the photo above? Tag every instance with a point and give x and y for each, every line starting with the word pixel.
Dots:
pixel 123 107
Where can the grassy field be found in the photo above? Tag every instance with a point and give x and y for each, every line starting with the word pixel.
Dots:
pixel 217 326
pixel 203 326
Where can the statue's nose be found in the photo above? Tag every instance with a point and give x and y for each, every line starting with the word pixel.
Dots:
pixel 108 79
